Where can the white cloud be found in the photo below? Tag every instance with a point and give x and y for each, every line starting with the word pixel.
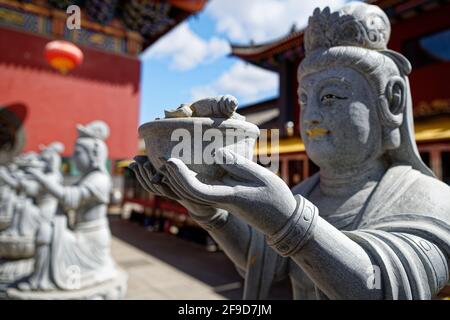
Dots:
pixel 186 50
pixel 242 80
pixel 262 20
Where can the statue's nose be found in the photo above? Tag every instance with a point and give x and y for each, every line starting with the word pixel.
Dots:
pixel 312 117
pixel 312 122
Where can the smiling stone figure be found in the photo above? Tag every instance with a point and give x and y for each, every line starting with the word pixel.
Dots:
pixel 374 223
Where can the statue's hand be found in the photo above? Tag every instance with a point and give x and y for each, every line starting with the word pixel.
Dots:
pixel 249 191
pixel 36 173
pixel 157 184
pixel 8 178
pixel 149 179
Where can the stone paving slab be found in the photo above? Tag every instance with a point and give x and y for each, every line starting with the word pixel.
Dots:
pixel 150 277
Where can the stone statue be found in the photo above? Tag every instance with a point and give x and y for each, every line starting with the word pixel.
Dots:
pixel 12 139
pixel 22 217
pixel 76 264
pixel 374 223
pixel 26 204
pixel 26 200
pixel 7 199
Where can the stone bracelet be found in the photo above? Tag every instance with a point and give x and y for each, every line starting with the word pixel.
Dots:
pixel 211 223
pixel 297 231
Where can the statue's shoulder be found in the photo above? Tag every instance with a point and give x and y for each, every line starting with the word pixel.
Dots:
pixel 415 193
pixel 431 190
pixel 97 176
pixel 98 182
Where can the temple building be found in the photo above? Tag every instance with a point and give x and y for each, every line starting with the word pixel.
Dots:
pixel 420 31
pixel 105 86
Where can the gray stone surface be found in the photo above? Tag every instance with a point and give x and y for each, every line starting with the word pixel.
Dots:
pixel 11 270
pixel 374 222
pixel 24 208
pixel 163 266
pixel 113 289
pixel 26 204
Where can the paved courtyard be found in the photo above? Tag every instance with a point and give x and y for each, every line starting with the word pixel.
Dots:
pixel 161 266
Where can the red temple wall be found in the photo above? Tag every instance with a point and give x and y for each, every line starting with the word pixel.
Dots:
pixel 104 87
pixel 427 82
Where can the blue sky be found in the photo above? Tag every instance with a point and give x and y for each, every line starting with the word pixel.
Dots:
pixel 193 60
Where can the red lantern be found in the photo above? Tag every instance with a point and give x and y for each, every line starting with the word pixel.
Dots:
pixel 63 55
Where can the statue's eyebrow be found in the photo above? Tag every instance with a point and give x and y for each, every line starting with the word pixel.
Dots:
pixel 307 83
pixel 336 80
pixel 333 80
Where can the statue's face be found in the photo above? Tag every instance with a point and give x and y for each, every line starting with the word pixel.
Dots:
pixel 339 122
pixel 81 158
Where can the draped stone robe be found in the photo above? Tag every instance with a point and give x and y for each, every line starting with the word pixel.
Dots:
pixel 404 209
pixel 80 257
pixel 7 201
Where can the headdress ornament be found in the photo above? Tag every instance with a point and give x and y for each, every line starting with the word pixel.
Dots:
pixel 367 27
pixel 356 24
pixel 96 129
pixel 56 147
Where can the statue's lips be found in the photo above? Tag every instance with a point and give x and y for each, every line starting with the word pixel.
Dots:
pixel 317 132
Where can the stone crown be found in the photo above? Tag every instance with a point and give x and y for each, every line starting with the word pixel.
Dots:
pixel 356 24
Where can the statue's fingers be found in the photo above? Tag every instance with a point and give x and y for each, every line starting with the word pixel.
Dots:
pixel 180 189
pixel 192 185
pixel 175 181
pixel 239 166
pixel 181 194
pixel 149 172
pixel 135 167
pixel 140 159
pixel 167 184
pixel 149 166
pixel 165 191
pixel 143 173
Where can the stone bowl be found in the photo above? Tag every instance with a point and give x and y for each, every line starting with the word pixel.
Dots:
pixel 194 140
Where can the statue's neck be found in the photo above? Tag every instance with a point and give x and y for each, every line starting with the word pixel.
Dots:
pixel 348 181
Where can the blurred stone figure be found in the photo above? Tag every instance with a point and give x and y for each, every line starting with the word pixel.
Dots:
pixel 77 264
pixel 46 202
pixel 12 140
pixel 18 240
pixel 7 200
pixel 374 223
pixel 32 204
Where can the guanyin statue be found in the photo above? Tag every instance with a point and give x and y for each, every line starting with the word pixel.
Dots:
pixel 374 222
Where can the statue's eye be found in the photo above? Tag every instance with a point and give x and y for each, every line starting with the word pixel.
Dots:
pixel 303 100
pixel 330 97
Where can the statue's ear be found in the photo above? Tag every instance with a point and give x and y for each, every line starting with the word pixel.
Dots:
pixel 396 95
pixel 393 102
pixel 392 107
